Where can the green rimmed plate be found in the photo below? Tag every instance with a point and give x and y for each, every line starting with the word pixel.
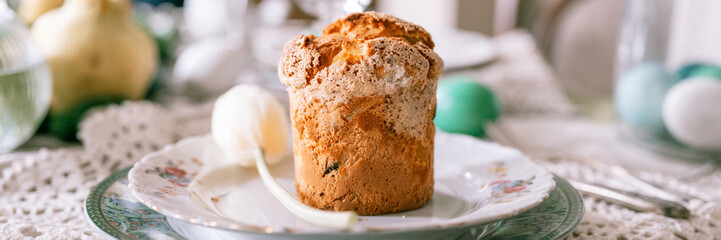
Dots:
pixel 113 210
pixel 555 218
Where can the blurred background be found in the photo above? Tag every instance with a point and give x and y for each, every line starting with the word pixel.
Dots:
pixel 607 62
pixel 587 30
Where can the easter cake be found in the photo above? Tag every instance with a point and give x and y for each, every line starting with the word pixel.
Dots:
pixel 362 102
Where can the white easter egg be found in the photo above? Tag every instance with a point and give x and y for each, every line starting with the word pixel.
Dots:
pixel 692 112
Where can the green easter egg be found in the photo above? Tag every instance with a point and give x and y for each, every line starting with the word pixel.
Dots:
pixel 699 70
pixel 685 70
pixel 465 107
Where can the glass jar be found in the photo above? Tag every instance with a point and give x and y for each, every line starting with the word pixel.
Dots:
pixel 668 75
pixel 25 82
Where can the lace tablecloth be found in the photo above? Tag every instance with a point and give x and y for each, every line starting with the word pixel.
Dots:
pixel 43 191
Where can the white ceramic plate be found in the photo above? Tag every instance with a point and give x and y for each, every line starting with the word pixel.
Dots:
pixel 476 182
pixel 461 49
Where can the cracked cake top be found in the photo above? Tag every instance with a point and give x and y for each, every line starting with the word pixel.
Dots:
pixel 360 54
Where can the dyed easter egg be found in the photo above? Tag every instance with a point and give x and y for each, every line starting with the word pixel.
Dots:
pixel 698 70
pixel 465 106
pixel 692 112
pixel 639 96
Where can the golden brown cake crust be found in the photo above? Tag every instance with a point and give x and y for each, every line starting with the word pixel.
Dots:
pixel 362 101
pixel 370 25
pixel 374 49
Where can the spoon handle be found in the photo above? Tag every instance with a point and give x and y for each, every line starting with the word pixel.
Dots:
pixel 634 201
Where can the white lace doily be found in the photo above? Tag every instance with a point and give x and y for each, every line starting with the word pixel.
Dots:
pixel 43 192
pixel 569 137
pixel 603 220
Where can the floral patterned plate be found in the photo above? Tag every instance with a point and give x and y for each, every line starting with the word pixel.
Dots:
pixel 113 210
pixel 476 182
